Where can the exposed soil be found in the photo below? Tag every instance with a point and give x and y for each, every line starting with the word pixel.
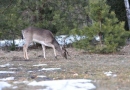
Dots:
pixel 79 65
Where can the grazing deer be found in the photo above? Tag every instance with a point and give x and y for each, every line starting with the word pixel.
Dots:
pixel 44 37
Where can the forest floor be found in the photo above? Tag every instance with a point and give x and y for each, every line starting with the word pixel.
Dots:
pixel 107 71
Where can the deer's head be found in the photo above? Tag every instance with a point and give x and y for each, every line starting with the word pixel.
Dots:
pixel 64 52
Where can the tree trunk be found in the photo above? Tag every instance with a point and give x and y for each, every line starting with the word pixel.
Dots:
pixel 127 11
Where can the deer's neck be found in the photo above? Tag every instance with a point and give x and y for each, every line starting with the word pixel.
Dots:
pixel 57 46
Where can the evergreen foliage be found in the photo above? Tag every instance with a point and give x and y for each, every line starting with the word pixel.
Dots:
pixel 114 35
pixel 59 16
pixel 65 17
pixel 56 15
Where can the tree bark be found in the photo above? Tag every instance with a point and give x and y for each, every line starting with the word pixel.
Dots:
pixel 127 11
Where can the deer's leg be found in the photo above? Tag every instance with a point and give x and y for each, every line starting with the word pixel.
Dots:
pixel 54 51
pixel 25 47
pixel 44 53
pixel 51 45
pixel 23 51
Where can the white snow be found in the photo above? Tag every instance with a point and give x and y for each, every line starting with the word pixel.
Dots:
pixel 4 84
pixel 72 84
pixel 5 65
pixel 97 38
pixel 6 79
pixel 49 69
pixel 19 82
pixel 30 71
pixel 14 87
pixel 11 72
pixel 40 65
pixel 41 76
pixel 65 39
pixel 110 73
pixel 62 40
pixel 18 42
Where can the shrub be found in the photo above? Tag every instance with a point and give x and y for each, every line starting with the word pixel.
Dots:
pixel 114 34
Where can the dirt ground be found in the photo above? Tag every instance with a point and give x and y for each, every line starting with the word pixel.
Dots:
pixel 79 65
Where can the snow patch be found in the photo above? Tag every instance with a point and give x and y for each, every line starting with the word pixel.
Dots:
pixel 11 72
pixel 110 73
pixel 14 87
pixel 18 42
pixel 8 78
pixel 4 84
pixel 49 69
pixel 41 76
pixel 40 65
pixel 5 65
pixel 62 40
pixel 79 84
pixel 30 71
pixel 65 39
pixel 19 82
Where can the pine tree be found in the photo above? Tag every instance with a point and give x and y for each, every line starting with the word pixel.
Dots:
pixel 105 22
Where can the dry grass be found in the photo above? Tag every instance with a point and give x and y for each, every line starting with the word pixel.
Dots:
pixel 79 65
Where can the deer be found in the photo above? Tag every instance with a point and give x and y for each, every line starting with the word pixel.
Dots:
pixel 43 37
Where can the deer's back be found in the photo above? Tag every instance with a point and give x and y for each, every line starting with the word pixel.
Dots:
pixel 37 34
